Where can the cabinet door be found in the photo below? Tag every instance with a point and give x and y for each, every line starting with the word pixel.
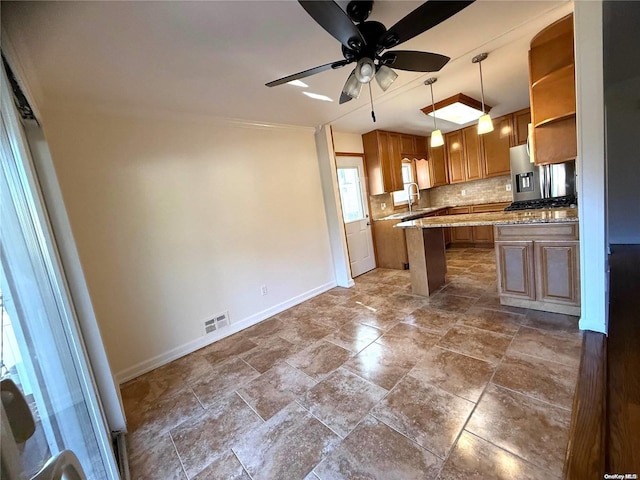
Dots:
pixel 390 245
pixel 515 266
pixel 521 121
pixel 483 234
pixel 455 157
pixel 420 147
pixel 472 153
pixel 438 170
pixel 408 145
pixel 557 272
pixel 423 175
pixel 395 161
pixel 461 234
pixel 496 146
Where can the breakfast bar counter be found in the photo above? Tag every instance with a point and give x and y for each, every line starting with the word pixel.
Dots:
pixel 536 255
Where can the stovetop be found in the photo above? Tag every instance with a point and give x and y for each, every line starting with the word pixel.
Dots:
pixel 555 202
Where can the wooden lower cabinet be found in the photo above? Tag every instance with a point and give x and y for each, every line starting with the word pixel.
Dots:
pixel 391 246
pixel 473 236
pixel 538 267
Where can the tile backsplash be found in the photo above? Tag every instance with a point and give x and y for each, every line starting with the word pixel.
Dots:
pixel 489 190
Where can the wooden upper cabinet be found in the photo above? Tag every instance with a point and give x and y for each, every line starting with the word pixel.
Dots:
pixel 395 160
pixel 553 93
pixel 408 145
pixel 521 121
pixel 438 170
pixel 472 153
pixel 496 146
pixel 455 156
pixel 377 155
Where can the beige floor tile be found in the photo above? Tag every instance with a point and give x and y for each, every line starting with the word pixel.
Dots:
pixel 375 451
pixel 451 303
pixel 476 459
pixel 526 427
pixel 542 379
pixel 456 373
pixel 227 467
pixel 269 353
pixel 287 446
pixel 381 365
pixel 226 377
pixel 227 347
pixel 319 359
pixel 492 320
pixel 426 414
pixel 263 331
pixel 438 321
pixel 382 318
pixel 305 331
pixel 551 321
pixel 492 300
pixel 482 344
pixel 204 439
pixel 464 290
pixel 341 400
pixel 354 336
pixel 334 317
pixel 275 389
pixel 410 340
pixel 559 347
pixel 156 455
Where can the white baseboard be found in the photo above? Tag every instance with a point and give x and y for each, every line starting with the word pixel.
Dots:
pixel 190 347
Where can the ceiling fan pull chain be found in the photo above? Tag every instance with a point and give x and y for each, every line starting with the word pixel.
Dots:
pixel 373 114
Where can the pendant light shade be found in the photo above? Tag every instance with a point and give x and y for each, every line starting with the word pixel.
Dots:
pixel 485 125
pixel 385 77
pixel 436 135
pixel 352 87
pixel 436 138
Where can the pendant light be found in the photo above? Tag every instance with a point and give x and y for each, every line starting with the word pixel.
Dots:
pixel 485 125
pixel 436 135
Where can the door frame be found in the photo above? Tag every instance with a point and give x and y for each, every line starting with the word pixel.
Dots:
pixel 366 194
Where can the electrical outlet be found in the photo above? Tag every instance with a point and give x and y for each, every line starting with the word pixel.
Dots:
pixel 508 187
pixel 263 290
pixel 463 193
pixel 383 206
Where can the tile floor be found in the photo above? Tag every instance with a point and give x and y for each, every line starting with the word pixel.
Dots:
pixel 368 383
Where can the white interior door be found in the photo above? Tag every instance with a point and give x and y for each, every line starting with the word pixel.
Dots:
pixel 355 213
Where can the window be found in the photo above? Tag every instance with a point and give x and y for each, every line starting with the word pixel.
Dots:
pixel 350 194
pixel 401 197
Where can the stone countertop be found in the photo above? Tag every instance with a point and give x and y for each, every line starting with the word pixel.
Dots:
pixel 403 216
pixel 544 215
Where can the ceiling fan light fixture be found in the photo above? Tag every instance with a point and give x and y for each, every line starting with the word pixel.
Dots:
pixel 365 70
pixel 436 139
pixel 352 87
pixel 385 77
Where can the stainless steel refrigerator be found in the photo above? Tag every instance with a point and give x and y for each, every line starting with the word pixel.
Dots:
pixel 532 183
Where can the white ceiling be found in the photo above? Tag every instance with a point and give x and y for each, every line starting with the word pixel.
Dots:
pixel 213 58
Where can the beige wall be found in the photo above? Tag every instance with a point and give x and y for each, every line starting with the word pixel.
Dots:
pixel 347 142
pixel 178 220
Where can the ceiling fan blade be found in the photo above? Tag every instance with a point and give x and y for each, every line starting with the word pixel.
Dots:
pixel 334 20
pixel 426 16
pixel 308 73
pixel 344 98
pixel 414 61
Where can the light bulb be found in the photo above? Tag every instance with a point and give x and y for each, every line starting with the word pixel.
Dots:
pixel 365 70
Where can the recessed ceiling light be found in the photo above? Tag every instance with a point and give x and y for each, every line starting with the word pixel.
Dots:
pixel 316 96
pixel 458 109
pixel 298 83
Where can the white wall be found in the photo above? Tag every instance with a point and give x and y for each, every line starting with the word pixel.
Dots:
pixel 176 220
pixel 347 142
pixel 590 165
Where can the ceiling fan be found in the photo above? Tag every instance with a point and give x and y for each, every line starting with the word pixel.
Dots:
pixel 364 41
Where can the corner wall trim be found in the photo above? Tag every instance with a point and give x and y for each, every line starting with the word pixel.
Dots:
pixel 190 347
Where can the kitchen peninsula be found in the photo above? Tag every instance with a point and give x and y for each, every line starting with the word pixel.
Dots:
pixel 536 256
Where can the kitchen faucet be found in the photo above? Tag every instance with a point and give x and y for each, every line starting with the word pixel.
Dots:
pixel 411 195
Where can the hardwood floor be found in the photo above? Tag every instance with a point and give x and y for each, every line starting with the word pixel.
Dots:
pixel 623 362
